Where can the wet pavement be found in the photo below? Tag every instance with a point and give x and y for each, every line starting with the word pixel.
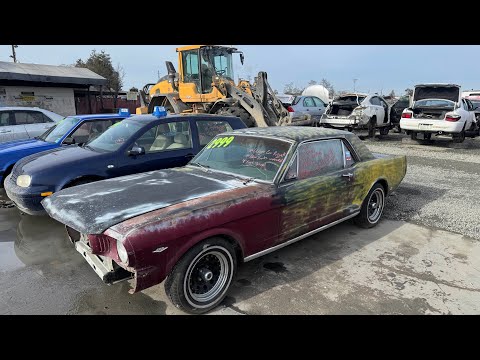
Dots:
pixel 395 268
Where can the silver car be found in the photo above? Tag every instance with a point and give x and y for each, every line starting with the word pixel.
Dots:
pixel 304 110
pixel 21 123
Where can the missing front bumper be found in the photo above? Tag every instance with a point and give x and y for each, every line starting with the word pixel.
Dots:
pixel 104 267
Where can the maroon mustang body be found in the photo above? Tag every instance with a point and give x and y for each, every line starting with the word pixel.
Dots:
pixel 247 193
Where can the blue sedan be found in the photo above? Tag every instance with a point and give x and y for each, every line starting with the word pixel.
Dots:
pixel 139 144
pixel 76 129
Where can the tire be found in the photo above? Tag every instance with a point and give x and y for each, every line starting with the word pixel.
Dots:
pixel 427 136
pixel 384 130
pixel 243 114
pixel 413 135
pixel 372 124
pixel 9 170
pixel 460 137
pixel 218 261
pixel 370 215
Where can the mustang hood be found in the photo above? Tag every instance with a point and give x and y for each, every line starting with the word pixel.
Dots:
pixel 93 208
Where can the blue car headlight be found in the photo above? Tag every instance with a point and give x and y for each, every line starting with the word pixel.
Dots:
pixel 24 181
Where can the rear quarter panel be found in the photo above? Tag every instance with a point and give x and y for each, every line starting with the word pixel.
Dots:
pixel 389 168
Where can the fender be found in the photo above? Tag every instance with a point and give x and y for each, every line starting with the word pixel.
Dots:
pixel 171 99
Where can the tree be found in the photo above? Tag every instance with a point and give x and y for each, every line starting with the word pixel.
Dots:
pixel 409 92
pixel 133 89
pixel 291 89
pixel 392 94
pixel 312 82
pixel 101 63
pixel 328 85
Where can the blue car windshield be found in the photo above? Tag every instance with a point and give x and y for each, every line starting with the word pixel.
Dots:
pixel 55 133
pixel 115 136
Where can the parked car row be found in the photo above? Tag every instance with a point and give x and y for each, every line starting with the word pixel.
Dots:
pixel 185 198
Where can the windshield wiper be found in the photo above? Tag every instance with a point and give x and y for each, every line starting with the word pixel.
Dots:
pixel 88 147
pixel 203 167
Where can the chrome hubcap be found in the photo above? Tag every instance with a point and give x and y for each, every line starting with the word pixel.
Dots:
pixel 375 205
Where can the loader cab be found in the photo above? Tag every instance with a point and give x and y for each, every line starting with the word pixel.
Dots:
pixel 200 67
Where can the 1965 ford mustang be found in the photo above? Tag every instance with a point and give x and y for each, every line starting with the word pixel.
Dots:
pixel 247 193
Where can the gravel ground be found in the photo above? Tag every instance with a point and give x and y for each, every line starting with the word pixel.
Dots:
pixel 440 187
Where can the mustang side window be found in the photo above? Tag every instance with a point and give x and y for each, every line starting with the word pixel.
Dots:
pixel 318 158
pixel 207 130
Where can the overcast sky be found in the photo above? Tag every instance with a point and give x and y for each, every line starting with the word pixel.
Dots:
pixel 378 68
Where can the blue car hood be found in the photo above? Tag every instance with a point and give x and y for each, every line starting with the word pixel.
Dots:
pixel 55 158
pixel 23 145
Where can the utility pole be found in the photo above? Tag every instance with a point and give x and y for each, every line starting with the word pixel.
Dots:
pixel 354 83
pixel 14 55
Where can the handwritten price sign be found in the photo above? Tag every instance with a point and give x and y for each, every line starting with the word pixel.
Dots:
pixel 221 142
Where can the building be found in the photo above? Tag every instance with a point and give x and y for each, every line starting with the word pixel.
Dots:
pixel 47 86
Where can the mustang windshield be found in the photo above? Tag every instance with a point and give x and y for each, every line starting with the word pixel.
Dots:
pixel 55 133
pixel 247 156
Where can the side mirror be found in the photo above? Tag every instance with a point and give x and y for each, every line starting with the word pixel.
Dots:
pixel 69 141
pixel 476 107
pixel 136 150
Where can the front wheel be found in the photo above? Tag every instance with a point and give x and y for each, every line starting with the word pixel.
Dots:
pixel 372 207
pixel 201 278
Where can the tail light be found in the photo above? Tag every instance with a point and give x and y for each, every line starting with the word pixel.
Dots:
pixel 452 118
pixel 290 109
pixel 407 115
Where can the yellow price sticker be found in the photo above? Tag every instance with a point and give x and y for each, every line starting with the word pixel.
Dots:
pixel 221 142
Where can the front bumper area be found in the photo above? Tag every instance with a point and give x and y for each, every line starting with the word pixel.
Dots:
pixel 104 267
pixel 27 200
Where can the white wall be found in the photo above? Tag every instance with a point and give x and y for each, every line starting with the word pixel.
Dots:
pixel 58 100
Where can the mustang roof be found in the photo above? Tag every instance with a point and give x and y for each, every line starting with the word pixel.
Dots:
pixel 295 133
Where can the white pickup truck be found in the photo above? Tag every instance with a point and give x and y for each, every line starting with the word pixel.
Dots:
pixel 358 111
pixel 438 109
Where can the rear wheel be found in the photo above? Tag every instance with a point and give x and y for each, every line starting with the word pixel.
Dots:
pixel 243 114
pixel 384 130
pixel 372 207
pixel 201 278
pixel 413 135
pixel 460 137
pixel 372 124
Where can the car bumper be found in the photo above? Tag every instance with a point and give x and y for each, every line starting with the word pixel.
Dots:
pixel 433 126
pixel 27 200
pixel 343 123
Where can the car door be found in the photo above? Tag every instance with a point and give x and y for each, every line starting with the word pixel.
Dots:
pixel 37 123
pixel 316 189
pixel 19 127
pixel 471 114
pixel 384 110
pixel 309 107
pixel 377 109
pixel 165 145
pixel 7 126
pixel 319 108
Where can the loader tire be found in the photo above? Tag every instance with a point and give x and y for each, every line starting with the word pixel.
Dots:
pixel 239 112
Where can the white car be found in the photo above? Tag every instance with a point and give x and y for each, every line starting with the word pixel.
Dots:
pixel 21 123
pixel 438 109
pixel 358 111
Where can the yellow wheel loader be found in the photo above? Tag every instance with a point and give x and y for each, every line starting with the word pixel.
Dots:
pixel 205 83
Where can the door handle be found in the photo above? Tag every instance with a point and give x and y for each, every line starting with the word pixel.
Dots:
pixel 349 176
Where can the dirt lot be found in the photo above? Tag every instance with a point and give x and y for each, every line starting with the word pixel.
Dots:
pixel 423 258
